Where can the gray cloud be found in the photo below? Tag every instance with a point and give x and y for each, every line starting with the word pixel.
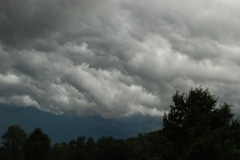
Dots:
pixel 116 58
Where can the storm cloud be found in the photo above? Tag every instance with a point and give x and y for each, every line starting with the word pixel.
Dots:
pixel 116 58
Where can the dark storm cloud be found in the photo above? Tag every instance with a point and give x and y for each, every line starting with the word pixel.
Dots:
pixel 116 58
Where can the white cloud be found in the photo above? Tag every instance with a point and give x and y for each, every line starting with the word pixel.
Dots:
pixel 9 79
pixel 116 58
pixel 110 92
pixel 20 100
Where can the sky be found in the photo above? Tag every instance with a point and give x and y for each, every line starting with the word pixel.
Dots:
pixel 113 61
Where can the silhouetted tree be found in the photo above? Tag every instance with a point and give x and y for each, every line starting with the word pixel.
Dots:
pixel 195 126
pixel 37 146
pixel 13 142
pixel 90 149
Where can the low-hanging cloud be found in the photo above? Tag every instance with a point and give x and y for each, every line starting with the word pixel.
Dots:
pixel 116 58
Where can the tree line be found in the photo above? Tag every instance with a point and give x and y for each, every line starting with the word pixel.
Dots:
pixel 197 127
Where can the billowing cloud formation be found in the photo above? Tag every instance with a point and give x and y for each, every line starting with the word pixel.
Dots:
pixel 116 58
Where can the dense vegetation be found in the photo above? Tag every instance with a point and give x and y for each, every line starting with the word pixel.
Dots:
pixel 195 128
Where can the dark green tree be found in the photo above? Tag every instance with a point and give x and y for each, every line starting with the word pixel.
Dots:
pixel 111 148
pixel 90 149
pixel 196 126
pixel 37 146
pixel 13 141
pixel 80 147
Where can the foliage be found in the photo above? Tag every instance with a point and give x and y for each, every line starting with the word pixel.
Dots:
pixel 37 146
pixel 195 128
pixel 14 141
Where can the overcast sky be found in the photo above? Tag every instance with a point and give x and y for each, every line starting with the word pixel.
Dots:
pixel 117 58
